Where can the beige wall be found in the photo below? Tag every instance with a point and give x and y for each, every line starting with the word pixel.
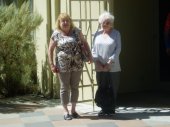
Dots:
pixel 41 34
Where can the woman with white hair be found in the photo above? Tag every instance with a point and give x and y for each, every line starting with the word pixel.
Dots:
pixel 105 51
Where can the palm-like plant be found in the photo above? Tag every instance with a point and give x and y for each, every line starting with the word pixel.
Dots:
pixel 17 59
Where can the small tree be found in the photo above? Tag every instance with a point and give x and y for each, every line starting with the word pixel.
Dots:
pixel 17 49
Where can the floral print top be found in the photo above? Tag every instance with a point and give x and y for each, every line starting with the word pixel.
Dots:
pixel 68 52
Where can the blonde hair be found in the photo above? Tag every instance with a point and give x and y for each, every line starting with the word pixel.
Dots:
pixel 106 16
pixel 64 16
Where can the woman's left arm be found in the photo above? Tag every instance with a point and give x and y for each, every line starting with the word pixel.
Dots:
pixel 117 50
pixel 86 45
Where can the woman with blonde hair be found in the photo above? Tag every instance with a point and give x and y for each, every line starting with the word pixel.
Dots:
pixel 68 62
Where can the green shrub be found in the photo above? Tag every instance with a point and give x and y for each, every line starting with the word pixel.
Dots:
pixel 17 59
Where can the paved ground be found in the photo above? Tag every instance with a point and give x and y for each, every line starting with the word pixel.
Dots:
pixel 144 110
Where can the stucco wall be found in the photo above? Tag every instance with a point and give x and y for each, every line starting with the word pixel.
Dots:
pixel 41 35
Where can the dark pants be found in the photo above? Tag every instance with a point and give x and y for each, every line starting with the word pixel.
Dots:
pixel 111 80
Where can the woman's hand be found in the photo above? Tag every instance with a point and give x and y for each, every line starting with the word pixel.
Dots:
pixel 54 69
pixel 108 65
pixel 90 60
pixel 99 65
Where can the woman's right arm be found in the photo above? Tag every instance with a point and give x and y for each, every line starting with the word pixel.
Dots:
pixel 51 48
pixel 98 64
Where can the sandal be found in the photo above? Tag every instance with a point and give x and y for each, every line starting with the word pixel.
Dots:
pixel 75 115
pixel 67 117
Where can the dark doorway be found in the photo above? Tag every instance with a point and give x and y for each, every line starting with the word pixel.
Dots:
pixel 164 9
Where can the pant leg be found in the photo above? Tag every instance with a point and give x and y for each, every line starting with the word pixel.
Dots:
pixel 64 78
pixel 74 84
pixel 102 79
pixel 102 82
pixel 114 81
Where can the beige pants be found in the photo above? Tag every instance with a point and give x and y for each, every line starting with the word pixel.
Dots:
pixel 69 83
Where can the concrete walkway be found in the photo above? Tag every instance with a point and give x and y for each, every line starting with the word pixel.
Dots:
pixel 30 111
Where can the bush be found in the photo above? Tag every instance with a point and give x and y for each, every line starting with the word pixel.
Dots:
pixel 17 59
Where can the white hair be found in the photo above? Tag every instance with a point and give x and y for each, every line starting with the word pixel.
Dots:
pixel 106 16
